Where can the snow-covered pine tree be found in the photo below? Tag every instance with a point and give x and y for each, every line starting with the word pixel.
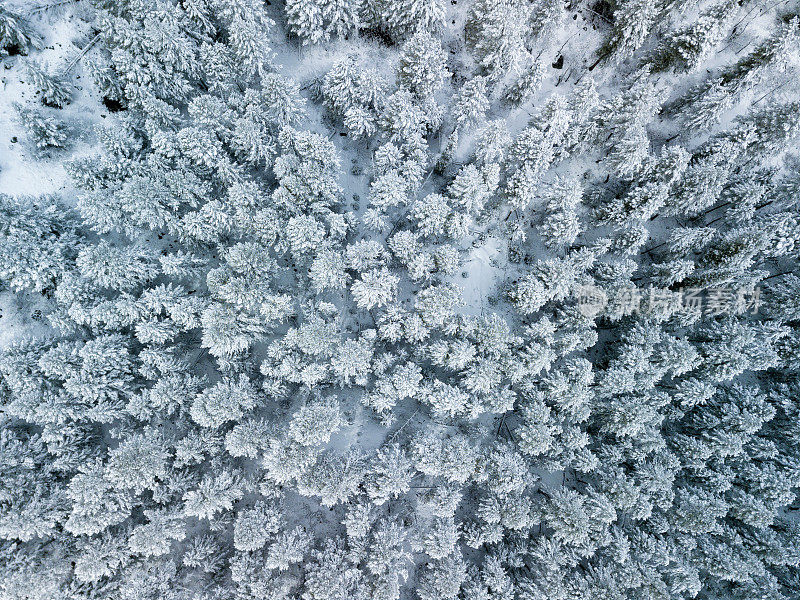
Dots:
pixel 16 34
pixel 53 91
pixel 319 20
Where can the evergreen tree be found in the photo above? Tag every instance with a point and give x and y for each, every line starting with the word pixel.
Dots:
pixel 405 17
pixel 706 103
pixel 422 68
pixel 374 288
pixel 688 46
pixel 37 241
pixel 215 494
pixel 16 34
pixel 52 90
pixel 318 21
pixel 497 34
pixel 632 22
pixel 561 225
pixel 253 527
pixel 472 103
pixel 225 401
pixel 43 132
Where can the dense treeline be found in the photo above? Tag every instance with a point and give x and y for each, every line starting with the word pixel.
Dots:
pixel 257 386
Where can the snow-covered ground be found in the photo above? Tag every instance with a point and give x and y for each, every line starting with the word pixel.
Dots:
pixel 22 170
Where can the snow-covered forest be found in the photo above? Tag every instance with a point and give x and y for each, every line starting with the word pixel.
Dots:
pixel 399 299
